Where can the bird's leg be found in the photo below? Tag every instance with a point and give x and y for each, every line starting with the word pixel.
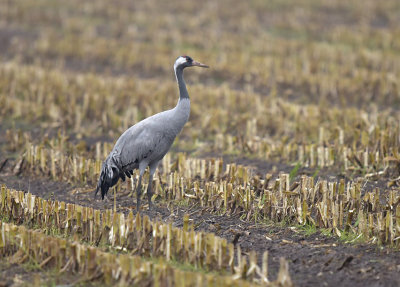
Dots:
pixel 149 191
pixel 153 168
pixel 138 191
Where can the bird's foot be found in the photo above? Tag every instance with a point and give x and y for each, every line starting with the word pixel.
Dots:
pixel 150 205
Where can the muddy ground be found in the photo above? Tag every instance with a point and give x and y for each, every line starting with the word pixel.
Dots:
pixel 30 274
pixel 315 259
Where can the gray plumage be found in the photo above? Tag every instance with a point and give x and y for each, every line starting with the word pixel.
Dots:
pixel 146 143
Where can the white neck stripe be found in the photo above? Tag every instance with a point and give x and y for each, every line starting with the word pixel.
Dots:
pixel 179 61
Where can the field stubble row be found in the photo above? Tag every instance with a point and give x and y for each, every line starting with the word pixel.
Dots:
pixel 262 46
pixel 338 206
pixel 128 236
pixel 267 127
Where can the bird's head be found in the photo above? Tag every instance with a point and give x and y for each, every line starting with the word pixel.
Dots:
pixel 186 61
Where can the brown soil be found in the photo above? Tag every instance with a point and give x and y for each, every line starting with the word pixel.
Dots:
pixel 315 260
pixel 29 274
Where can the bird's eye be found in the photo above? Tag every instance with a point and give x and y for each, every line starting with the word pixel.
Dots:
pixel 188 59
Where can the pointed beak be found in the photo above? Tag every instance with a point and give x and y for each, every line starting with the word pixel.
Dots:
pixel 194 63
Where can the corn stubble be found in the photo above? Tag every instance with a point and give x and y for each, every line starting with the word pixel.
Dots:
pixel 319 95
pixel 145 248
pixel 337 206
pixel 312 135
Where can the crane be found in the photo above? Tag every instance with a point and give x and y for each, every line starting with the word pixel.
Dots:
pixel 146 143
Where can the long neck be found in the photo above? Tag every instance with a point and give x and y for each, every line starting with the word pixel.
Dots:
pixel 183 93
pixel 182 110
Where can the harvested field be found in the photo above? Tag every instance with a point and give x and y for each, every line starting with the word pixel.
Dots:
pixel 287 173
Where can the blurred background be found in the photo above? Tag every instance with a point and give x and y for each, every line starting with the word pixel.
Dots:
pixel 257 44
pixel 93 68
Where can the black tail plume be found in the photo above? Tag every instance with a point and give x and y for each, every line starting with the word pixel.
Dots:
pixel 109 176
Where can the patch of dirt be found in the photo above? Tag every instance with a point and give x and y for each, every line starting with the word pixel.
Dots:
pixel 315 260
pixel 28 275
